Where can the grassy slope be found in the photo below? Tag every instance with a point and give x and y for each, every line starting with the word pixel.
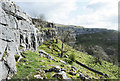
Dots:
pixel 28 66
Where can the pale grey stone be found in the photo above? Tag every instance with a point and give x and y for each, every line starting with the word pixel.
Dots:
pixel 3 45
pixel 3 71
pixel 62 61
pixel 17 29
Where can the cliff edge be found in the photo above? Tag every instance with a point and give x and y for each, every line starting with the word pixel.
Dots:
pixel 16 31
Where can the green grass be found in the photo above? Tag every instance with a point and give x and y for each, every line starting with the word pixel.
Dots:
pixel 86 59
pixel 27 67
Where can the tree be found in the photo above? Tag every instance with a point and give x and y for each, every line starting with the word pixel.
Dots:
pixel 41 18
pixel 99 54
pixel 72 57
pixel 65 36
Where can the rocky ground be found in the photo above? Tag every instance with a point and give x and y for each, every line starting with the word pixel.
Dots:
pixel 47 64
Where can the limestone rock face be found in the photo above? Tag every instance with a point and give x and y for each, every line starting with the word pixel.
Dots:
pixel 16 31
pixel 80 30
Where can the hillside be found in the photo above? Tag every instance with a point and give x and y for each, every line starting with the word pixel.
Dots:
pixel 36 63
pixel 88 38
pixel 107 42
pixel 31 49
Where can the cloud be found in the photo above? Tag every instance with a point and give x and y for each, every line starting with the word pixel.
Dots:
pixel 62 12
pixel 54 10
pixel 103 14
pixel 88 13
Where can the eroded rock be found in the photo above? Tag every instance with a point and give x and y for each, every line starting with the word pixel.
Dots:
pixel 82 76
pixel 73 71
pixel 44 53
pixel 17 34
pixel 16 29
pixel 62 62
pixel 38 76
pixel 54 69
pixel 62 75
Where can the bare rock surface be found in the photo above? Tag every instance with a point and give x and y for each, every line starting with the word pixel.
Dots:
pixel 16 31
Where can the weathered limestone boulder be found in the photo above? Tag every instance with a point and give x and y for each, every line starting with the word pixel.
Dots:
pixel 72 71
pixel 42 53
pixel 38 76
pixel 62 61
pixel 81 76
pixel 62 75
pixel 54 69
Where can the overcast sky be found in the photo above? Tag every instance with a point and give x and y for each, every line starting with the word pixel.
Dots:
pixel 87 13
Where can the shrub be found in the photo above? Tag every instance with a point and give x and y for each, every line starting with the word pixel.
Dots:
pixel 72 57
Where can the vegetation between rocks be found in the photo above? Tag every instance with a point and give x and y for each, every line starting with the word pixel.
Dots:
pixel 34 64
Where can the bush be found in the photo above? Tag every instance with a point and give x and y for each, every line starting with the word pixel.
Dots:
pixel 72 57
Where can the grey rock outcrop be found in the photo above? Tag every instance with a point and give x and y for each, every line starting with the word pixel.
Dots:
pixel 44 53
pixel 62 61
pixel 48 34
pixel 16 31
pixel 73 71
pixel 62 75
pixel 38 22
pixel 54 69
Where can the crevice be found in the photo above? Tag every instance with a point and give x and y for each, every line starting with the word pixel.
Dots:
pixel 13 14
pixel 8 67
pixel 33 43
pixel 3 24
pixel 21 38
pixel 7 40
pixel 16 23
pixel 4 54
pixel 26 39
pixel 6 63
